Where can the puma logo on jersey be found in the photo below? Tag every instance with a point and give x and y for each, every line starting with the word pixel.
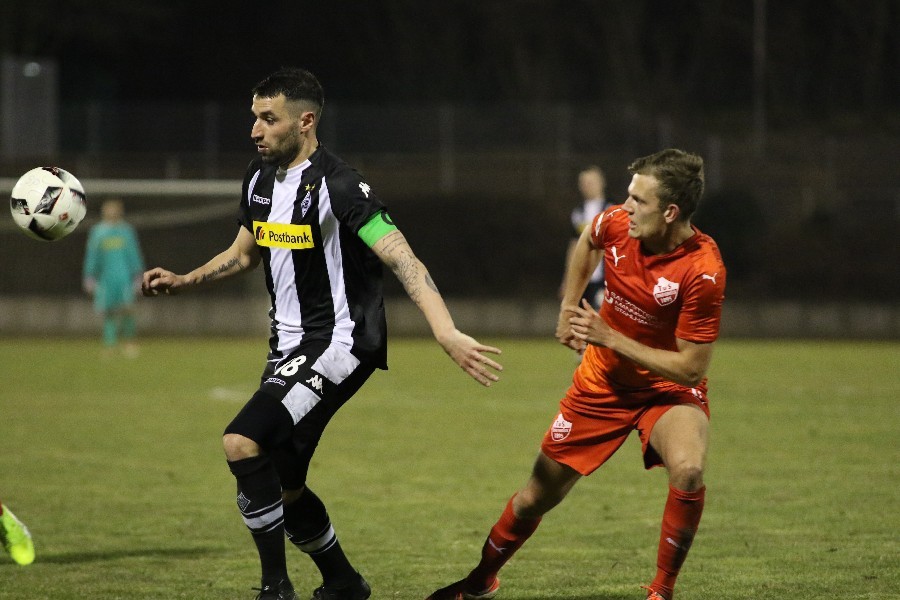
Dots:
pixel 710 277
pixel 365 188
pixel 616 256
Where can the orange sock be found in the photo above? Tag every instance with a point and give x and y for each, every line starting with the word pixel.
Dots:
pixel 681 518
pixel 506 536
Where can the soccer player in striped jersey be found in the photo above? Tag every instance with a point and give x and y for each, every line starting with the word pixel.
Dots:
pixel 592 186
pixel 646 353
pixel 322 236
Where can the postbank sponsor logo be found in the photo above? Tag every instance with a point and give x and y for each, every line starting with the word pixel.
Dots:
pixel 283 235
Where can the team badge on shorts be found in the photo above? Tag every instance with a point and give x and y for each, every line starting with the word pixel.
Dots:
pixel 560 429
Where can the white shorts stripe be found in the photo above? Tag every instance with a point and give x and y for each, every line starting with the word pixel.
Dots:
pixel 299 401
pixel 336 363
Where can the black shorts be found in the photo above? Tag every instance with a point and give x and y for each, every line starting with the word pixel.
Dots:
pixel 593 293
pixel 297 396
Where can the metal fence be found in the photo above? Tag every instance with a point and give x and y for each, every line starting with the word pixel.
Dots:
pixel 484 191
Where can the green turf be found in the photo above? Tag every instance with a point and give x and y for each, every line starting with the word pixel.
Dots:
pixel 117 468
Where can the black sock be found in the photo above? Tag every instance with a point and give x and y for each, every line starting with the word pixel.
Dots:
pixel 259 500
pixel 308 527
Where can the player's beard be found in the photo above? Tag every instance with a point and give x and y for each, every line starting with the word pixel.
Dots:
pixel 286 151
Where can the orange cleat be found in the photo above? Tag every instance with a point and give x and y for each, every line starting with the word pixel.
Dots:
pixel 461 591
pixel 653 595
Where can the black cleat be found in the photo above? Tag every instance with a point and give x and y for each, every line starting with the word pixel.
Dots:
pixel 359 590
pixel 283 590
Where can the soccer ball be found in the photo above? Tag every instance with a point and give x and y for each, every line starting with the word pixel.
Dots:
pixel 47 203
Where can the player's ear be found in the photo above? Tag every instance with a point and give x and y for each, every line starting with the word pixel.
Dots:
pixel 671 213
pixel 307 121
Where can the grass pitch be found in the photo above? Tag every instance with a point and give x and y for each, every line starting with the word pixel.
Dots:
pixel 117 468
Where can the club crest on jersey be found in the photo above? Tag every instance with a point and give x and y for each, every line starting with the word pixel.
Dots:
pixel 665 291
pixel 283 235
pixel 560 429
pixel 304 206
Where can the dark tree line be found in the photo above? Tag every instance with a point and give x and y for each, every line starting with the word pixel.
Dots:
pixel 823 58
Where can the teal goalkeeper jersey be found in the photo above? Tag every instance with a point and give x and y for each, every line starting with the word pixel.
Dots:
pixel 114 260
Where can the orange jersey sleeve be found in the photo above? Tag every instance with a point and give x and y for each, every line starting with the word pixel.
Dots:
pixel 653 299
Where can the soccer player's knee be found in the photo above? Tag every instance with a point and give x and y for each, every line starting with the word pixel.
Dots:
pixel 238 447
pixel 533 502
pixel 686 475
pixel 291 496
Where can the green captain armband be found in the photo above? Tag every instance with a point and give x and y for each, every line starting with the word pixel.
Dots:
pixel 378 226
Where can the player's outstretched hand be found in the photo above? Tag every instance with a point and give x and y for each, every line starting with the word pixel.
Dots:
pixel 160 281
pixel 470 356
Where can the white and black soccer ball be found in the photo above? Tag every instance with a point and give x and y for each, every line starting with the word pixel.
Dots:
pixel 48 203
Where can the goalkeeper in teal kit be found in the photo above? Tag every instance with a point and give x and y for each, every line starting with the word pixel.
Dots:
pixel 112 266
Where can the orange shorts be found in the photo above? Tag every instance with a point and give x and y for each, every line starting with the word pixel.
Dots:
pixel 588 431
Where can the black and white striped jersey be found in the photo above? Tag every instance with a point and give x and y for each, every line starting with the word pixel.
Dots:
pixel 324 282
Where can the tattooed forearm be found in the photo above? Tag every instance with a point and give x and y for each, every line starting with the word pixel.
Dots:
pixel 406 268
pixel 409 270
pixel 223 268
pixel 393 241
pixel 410 273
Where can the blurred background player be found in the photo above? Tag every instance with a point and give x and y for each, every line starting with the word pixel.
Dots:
pixel 592 186
pixel 15 537
pixel 113 265
pixel 644 366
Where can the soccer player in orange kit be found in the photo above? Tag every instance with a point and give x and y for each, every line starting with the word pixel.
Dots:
pixel 646 353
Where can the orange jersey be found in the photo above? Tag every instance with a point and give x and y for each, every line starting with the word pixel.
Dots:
pixel 652 299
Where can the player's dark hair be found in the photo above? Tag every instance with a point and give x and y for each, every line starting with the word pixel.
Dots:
pixel 680 177
pixel 296 84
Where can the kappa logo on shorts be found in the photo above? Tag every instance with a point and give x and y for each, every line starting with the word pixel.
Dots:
pixel 560 429
pixel 315 382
